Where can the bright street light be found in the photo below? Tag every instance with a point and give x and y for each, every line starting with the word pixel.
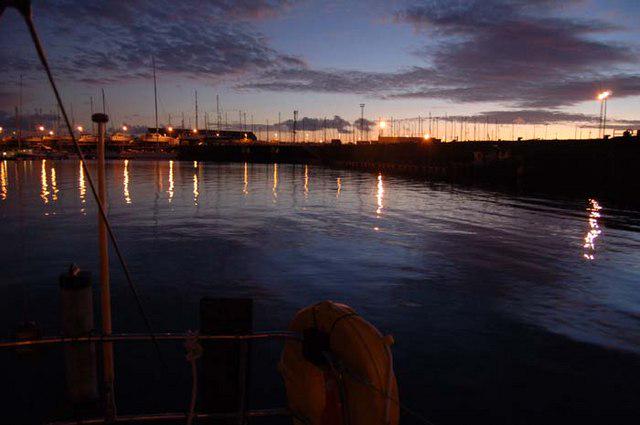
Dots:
pixel 125 128
pixel 80 128
pixel 41 128
pixel 170 129
pixel 602 97
pixel 383 125
pixel 51 133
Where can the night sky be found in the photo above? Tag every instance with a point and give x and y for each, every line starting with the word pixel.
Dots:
pixel 523 61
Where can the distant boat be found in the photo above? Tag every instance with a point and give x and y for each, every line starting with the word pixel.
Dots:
pixel 87 138
pixel 159 139
pixel 120 138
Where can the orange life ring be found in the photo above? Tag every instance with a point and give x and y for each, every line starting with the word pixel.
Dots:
pixel 341 373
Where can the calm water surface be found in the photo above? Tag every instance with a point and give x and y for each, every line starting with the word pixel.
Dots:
pixel 504 309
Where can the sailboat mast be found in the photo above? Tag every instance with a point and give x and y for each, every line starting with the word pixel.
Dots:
pixel 196 95
pixel 218 110
pixel 93 125
pixel 20 117
pixel 155 90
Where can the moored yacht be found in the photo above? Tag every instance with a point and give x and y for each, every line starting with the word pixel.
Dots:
pixel 160 139
pixel 87 138
pixel 120 138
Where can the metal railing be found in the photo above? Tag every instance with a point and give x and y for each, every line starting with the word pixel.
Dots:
pixel 194 351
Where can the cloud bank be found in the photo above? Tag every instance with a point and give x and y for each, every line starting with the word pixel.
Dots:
pixel 519 53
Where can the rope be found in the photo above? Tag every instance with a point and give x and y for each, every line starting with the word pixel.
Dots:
pixel 385 394
pixel 24 7
pixel 338 368
pixel 337 373
pixel 194 352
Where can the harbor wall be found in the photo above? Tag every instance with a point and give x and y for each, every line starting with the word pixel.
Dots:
pixel 604 168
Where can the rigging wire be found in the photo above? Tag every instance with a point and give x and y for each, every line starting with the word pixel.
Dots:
pixel 24 7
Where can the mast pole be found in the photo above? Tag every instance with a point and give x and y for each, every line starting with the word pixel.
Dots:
pixel 108 368
pixel 155 90
pixel 20 117
pixel 196 94
pixel 218 117
pixel 93 125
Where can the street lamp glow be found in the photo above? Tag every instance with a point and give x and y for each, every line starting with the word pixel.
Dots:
pixel 170 129
pixel 51 133
pixel 80 128
pixel 383 124
pixel 195 130
pixel 604 95
pixel 41 128
pixel 1 129
pixel 125 128
pixel 427 136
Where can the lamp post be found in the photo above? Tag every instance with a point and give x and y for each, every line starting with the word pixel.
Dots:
pixel 602 97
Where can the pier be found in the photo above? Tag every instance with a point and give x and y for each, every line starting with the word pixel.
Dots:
pixel 606 168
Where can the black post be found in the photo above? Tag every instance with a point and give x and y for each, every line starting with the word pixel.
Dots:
pixel 77 320
pixel 225 364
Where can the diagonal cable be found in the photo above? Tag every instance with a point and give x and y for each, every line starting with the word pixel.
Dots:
pixel 24 7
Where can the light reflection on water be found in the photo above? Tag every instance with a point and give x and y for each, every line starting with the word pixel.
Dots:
pixel 3 180
pixel 171 181
pixel 275 181
pixel 125 182
pixel 379 194
pixel 54 184
pixel 594 229
pixel 245 179
pixel 82 188
pixel 44 192
pixel 196 192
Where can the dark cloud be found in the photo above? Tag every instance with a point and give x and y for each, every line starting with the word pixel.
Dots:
pixel 363 124
pixel 338 123
pixel 510 51
pixel 29 120
pixel 107 42
pixel 335 81
pixel 531 116
pixel 137 129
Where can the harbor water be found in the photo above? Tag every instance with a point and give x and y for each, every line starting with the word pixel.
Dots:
pixel 505 309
